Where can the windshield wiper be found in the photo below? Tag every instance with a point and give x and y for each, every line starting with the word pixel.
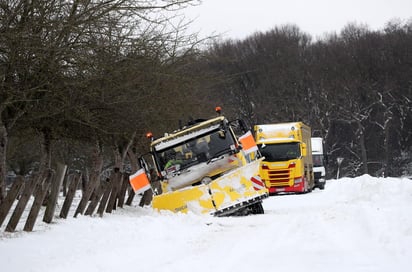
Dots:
pixel 220 153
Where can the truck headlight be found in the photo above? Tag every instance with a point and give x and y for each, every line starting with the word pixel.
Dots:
pixel 298 180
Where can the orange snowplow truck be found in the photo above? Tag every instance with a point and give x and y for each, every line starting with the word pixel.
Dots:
pixel 287 166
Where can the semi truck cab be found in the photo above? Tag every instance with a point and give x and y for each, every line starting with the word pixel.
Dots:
pixel 319 162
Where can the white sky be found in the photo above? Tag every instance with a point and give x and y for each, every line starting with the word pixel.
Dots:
pixel 240 18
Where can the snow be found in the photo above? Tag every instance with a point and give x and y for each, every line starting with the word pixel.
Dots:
pixel 355 224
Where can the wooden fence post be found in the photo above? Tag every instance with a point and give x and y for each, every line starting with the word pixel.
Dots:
pixel 65 185
pixel 96 198
pixel 74 183
pixel 105 198
pixel 130 197
pixel 54 194
pixel 40 193
pixel 115 188
pixel 91 185
pixel 10 197
pixel 123 190
pixel 21 205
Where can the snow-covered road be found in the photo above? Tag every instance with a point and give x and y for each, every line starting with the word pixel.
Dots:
pixel 360 224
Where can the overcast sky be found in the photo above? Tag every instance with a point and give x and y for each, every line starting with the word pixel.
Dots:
pixel 239 18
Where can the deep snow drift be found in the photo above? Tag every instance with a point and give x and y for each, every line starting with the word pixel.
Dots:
pixel 359 224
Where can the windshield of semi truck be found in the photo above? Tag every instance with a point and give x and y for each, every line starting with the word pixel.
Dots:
pixel 280 152
pixel 317 160
pixel 195 151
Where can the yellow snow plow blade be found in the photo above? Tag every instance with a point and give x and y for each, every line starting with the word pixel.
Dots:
pixel 225 195
pixel 196 199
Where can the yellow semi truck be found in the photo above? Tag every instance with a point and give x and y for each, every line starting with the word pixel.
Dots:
pixel 287 166
pixel 207 168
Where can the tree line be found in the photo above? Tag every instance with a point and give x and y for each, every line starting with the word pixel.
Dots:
pixel 83 81
pixel 353 88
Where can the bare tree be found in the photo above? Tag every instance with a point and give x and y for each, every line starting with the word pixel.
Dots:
pixel 48 54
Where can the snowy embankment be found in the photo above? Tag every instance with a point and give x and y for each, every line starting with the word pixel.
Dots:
pixel 360 224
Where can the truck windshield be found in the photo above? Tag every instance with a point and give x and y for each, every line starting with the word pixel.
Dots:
pixel 317 160
pixel 195 151
pixel 280 152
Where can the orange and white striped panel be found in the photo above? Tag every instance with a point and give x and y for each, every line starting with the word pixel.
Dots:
pixel 248 143
pixel 139 181
pixel 257 182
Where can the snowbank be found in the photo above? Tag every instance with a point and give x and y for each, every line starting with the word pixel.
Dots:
pixel 360 224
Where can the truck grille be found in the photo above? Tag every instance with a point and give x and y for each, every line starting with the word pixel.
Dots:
pixel 279 177
pixel 317 175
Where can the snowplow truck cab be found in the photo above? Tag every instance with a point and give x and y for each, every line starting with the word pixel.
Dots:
pixel 204 169
pixel 287 166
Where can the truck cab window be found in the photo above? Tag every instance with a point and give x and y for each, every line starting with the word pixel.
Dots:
pixel 280 152
pixel 317 160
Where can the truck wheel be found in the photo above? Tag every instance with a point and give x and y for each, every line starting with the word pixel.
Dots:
pixel 257 208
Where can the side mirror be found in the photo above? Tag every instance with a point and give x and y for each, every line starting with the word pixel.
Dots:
pixel 304 150
pixel 143 164
pixel 145 161
pixel 239 126
pixel 243 125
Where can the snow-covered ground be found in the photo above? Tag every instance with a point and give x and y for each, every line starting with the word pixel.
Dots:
pixel 359 224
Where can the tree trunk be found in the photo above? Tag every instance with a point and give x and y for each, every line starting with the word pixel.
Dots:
pixel 133 164
pixel 118 163
pixel 3 150
pixel 387 163
pixel 362 144
pixel 45 160
pixel 94 180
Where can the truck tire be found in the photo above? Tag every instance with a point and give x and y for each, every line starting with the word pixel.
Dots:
pixel 257 208
pixel 322 186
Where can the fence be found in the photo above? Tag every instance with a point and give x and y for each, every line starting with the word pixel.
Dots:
pixel 97 197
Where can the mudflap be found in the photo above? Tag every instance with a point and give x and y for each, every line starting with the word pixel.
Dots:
pixel 230 194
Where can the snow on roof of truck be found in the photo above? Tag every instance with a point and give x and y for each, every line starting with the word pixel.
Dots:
pixel 187 133
pixel 280 126
pixel 280 130
pixel 277 140
pixel 284 127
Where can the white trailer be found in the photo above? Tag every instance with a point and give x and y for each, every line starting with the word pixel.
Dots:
pixel 319 162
